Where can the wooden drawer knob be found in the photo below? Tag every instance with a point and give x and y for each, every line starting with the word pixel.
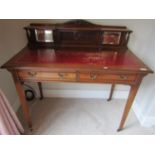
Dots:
pixel 111 43
pixel 32 74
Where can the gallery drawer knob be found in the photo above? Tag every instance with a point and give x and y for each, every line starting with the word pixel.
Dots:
pixel 111 43
pixel 32 73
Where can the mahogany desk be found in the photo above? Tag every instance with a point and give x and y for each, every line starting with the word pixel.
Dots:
pixel 93 66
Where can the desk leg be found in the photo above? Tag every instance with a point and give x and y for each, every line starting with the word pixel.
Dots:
pixel 23 102
pixel 111 92
pixel 131 97
pixel 40 90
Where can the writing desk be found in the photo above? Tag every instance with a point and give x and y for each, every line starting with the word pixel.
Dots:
pixel 49 65
pixel 115 64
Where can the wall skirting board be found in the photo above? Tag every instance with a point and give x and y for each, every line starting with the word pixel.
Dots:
pixel 84 94
pixel 146 121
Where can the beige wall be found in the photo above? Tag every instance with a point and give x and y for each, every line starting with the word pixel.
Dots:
pixel 13 38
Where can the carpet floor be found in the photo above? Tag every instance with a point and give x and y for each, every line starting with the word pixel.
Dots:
pixel 66 116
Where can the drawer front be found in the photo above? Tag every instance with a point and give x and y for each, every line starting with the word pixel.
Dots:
pixel 100 77
pixel 47 76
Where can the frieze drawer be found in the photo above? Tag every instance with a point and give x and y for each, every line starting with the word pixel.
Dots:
pixel 47 76
pixel 100 77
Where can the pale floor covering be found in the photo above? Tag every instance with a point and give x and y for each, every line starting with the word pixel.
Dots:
pixel 62 116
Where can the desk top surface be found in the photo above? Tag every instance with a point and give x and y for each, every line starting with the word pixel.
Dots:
pixel 77 58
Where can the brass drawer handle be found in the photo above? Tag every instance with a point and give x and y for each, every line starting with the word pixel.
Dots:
pixel 93 76
pixel 123 77
pixel 32 74
pixel 61 75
